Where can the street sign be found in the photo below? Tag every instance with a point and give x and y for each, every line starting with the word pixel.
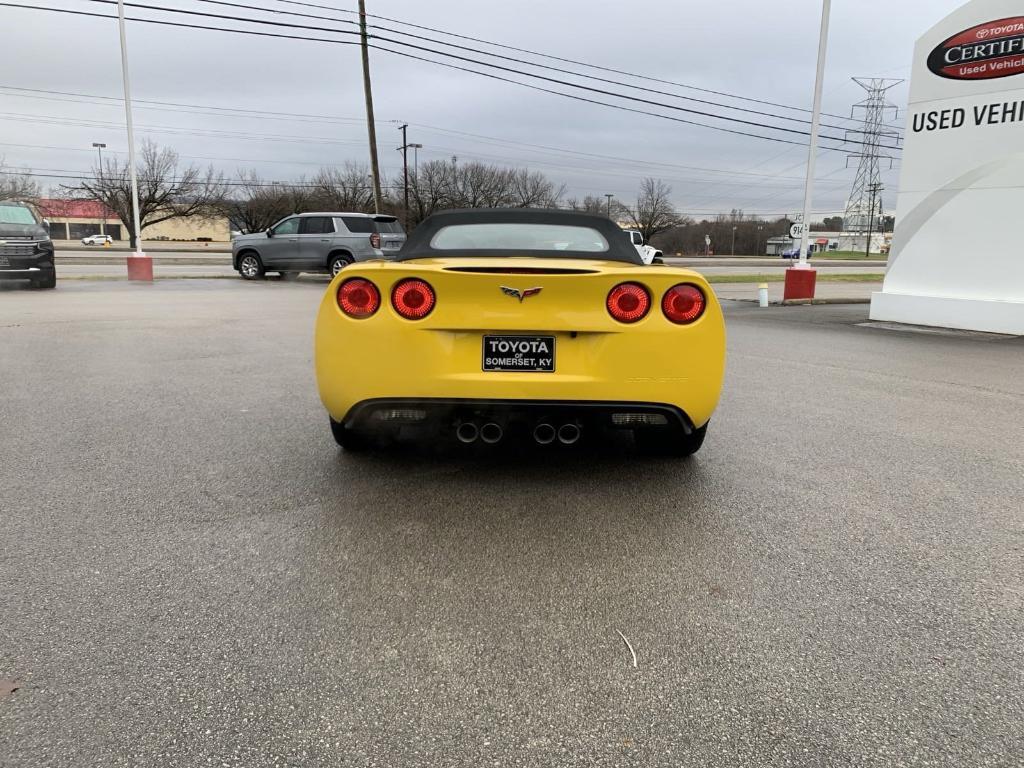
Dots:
pixel 707 239
pixel 796 231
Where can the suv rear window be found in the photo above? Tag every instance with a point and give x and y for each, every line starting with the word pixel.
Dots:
pixel 361 225
pixel 389 227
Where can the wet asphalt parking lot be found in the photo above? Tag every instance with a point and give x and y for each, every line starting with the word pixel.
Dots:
pixel 192 574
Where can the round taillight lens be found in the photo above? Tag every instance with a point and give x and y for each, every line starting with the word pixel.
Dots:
pixel 683 303
pixel 628 302
pixel 358 298
pixel 412 299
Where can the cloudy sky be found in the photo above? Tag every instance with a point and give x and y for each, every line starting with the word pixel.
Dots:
pixel 303 104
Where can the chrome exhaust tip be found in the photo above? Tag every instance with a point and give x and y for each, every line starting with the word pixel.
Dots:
pixel 544 433
pixel 568 434
pixel 467 432
pixel 491 433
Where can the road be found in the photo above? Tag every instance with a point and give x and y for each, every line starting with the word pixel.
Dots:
pixel 192 574
pixel 183 264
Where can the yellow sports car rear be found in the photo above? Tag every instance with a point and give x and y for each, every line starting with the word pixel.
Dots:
pixel 542 326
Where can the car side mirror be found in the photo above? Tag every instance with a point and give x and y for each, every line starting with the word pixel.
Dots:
pixel 270 233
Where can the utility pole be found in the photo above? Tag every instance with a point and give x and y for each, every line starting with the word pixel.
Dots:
pixel 874 189
pixel 733 241
pixel 368 93
pixel 757 241
pixel 405 169
pixel 99 174
pixel 609 195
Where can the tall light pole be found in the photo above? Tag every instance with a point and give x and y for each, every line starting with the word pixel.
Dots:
pixel 812 149
pixel 800 278
pixel 99 174
pixel 368 94
pixel 140 266
pixel 609 195
pixel 415 159
pixel 733 241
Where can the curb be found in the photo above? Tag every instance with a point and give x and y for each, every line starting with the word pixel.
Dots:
pixel 804 302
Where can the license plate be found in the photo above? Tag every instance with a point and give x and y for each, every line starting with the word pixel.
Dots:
pixel 519 353
pixel 4 261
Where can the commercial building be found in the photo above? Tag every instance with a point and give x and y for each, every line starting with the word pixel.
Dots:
pixel 75 219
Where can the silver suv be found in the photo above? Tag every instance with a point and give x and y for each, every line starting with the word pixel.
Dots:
pixel 316 242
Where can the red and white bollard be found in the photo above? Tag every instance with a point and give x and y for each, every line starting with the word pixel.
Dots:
pixel 140 267
pixel 800 282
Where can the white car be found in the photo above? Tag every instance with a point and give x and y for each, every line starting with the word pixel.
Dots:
pixel 97 239
pixel 647 252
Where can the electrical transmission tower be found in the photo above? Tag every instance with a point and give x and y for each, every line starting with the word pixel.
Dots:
pixel 864 208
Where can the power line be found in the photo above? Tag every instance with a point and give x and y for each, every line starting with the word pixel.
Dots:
pixel 558 58
pixel 596 78
pixel 499 67
pixel 56 173
pixel 507 69
pixel 558 151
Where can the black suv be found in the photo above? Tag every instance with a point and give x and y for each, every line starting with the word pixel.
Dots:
pixel 26 250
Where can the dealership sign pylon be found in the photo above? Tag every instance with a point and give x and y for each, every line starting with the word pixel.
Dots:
pixel 956 257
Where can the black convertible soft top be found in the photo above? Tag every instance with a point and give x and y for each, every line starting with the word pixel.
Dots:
pixel 418 245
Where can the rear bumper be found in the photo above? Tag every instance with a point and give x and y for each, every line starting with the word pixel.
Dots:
pixel 383 413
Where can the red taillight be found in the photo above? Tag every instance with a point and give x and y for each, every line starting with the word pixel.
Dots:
pixel 412 299
pixel 358 298
pixel 375 240
pixel 683 303
pixel 628 302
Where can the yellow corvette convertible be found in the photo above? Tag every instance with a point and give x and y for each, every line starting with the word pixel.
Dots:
pixel 544 326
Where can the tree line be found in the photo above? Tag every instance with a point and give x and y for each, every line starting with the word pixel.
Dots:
pixel 172 189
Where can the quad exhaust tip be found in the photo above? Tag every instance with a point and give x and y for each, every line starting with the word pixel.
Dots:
pixel 568 434
pixel 491 433
pixel 467 432
pixel 544 433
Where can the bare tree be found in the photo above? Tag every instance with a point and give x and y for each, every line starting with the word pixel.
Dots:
pixel 654 212
pixel 478 185
pixel 16 184
pixel 254 205
pixel 429 189
pixel 167 190
pixel 599 206
pixel 532 189
pixel 349 188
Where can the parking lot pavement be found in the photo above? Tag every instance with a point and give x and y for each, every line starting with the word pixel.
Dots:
pixel 192 574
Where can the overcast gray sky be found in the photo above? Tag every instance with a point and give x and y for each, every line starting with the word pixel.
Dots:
pixel 764 50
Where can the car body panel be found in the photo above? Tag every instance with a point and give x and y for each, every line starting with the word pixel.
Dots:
pixel 597 359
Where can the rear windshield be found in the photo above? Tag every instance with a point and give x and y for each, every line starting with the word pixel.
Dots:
pixel 362 225
pixel 515 236
pixel 389 227
pixel 16 214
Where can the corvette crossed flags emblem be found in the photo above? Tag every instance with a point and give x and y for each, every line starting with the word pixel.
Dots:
pixel 520 294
